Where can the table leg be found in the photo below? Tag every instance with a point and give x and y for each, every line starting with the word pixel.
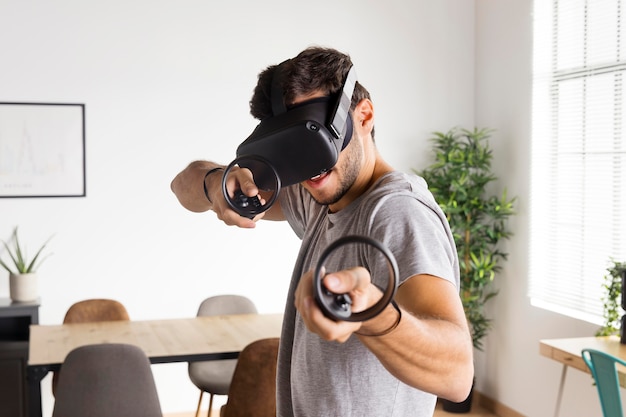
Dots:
pixel 560 393
pixel 34 375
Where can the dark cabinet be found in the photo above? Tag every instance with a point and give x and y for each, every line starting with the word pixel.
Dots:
pixel 15 319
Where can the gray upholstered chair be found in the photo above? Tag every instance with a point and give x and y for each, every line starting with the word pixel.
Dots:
pixel 253 388
pixel 105 380
pixel 92 310
pixel 214 376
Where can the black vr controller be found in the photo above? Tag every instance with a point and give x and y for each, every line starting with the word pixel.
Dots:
pixel 338 307
pixel 294 144
pixel 250 206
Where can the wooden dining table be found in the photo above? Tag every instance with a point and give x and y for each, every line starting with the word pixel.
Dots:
pixel 163 341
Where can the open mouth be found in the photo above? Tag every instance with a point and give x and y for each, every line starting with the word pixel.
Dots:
pixel 320 177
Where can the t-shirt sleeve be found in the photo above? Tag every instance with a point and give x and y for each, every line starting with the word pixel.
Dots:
pixel 419 237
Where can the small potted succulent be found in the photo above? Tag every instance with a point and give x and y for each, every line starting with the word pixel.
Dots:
pixel 22 271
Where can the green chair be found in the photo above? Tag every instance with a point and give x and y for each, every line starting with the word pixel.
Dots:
pixel 604 372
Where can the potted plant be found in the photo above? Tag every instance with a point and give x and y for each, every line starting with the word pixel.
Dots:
pixel 613 283
pixel 22 272
pixel 459 179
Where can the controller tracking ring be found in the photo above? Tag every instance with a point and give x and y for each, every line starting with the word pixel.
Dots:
pixel 249 206
pixel 338 306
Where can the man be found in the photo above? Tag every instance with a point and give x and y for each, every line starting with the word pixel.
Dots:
pixel 398 362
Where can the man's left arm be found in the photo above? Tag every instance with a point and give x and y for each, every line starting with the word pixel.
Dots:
pixel 431 348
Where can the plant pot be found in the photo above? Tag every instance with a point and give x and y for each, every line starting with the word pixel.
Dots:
pixel 23 287
pixel 464 406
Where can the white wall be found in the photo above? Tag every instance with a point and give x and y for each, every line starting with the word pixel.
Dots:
pixel 168 82
pixel 511 369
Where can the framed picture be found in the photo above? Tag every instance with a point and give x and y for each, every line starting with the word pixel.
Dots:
pixel 42 150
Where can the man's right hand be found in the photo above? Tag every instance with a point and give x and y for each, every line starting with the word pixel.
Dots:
pixel 238 179
pixel 188 186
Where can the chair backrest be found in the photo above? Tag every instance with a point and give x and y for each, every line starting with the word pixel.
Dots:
pixel 253 388
pixel 92 310
pixel 217 374
pixel 226 304
pixel 97 309
pixel 603 369
pixel 105 380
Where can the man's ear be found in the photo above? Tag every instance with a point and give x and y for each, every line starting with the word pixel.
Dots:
pixel 363 116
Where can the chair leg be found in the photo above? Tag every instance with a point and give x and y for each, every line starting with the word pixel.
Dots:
pixel 210 404
pixel 199 404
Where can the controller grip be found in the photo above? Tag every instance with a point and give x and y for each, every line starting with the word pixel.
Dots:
pixel 248 206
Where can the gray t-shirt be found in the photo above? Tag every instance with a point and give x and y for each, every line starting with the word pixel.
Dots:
pixel 319 378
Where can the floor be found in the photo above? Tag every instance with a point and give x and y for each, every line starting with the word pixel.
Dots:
pixel 476 412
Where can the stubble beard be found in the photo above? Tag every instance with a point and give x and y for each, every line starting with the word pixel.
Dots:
pixel 351 168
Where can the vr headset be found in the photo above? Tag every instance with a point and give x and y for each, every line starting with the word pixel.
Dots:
pixel 301 142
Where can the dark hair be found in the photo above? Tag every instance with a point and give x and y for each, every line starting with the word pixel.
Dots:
pixel 314 69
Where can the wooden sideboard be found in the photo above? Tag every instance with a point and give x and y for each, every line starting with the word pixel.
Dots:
pixel 15 319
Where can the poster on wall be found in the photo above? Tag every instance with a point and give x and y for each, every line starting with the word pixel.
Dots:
pixel 42 150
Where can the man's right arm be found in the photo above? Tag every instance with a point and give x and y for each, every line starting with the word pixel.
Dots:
pixel 190 184
pixel 189 188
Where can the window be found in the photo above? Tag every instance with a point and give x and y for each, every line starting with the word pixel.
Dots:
pixel 578 180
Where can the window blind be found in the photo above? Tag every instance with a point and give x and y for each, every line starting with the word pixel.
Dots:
pixel 578 171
